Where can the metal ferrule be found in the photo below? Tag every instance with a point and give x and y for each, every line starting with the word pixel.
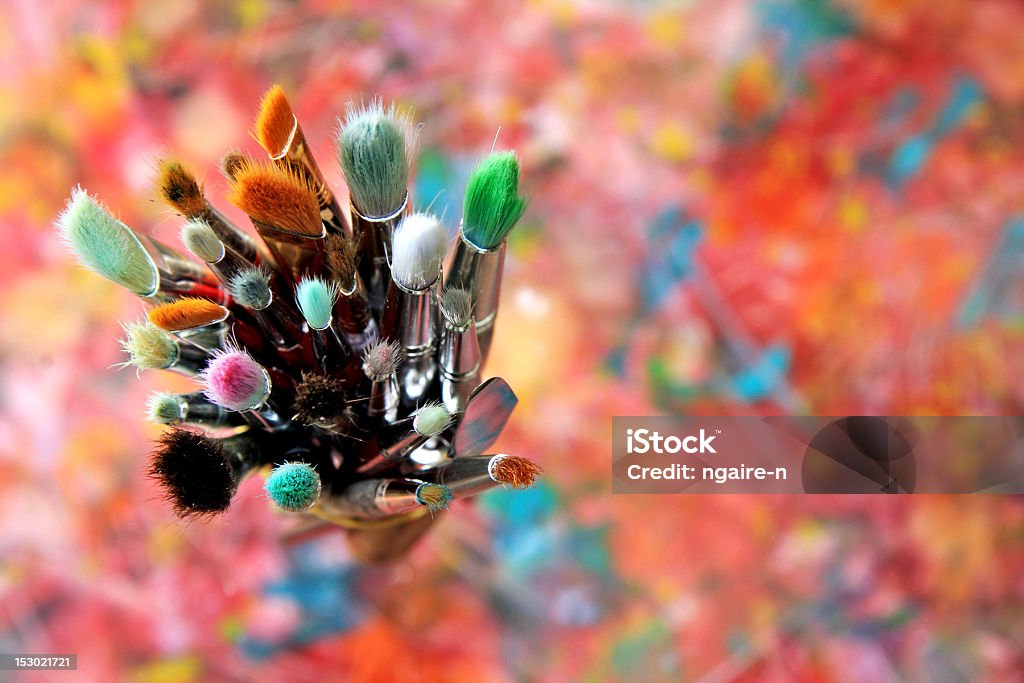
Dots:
pixel 190 360
pixel 176 274
pixel 459 358
pixel 229 264
pixel 384 399
pixel 196 409
pixel 375 250
pixel 395 453
pixel 373 499
pixel 479 271
pixel 328 349
pixel 231 235
pixel 412 318
pixel 297 155
pixel 208 338
pixel 297 254
pixel 354 317
pixel 466 476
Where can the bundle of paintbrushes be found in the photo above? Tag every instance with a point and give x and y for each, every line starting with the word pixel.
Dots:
pixel 332 350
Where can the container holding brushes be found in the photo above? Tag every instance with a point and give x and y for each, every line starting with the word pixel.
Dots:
pixel 331 351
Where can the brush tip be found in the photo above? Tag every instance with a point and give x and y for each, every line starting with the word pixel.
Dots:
pixel 231 163
pixel 234 380
pixel 250 287
pixel 199 238
pixel 105 245
pixel 373 150
pixel 194 472
pixel 180 189
pixel 275 122
pixel 431 419
pixel 148 347
pixel 517 472
pixel 435 496
pixel 492 205
pixel 277 196
pixel 457 307
pixel 186 313
pixel 163 408
pixel 319 398
pixel 381 359
pixel 342 258
pixel 418 248
pixel 293 486
pixel 316 297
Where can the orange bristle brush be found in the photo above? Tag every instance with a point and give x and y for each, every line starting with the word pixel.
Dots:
pixel 278 132
pixel 187 313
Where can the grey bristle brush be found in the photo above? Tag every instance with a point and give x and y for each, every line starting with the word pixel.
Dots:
pixel 491 209
pixel 380 363
pixel 459 354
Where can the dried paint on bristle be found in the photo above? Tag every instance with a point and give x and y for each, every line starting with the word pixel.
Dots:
pixel 435 496
pixel 457 307
pixel 342 259
pixel 105 245
pixel 318 398
pixel 275 122
pixel 293 486
pixel 235 381
pixel 277 196
pixel 199 238
pixel 517 472
pixel 418 248
pixel 186 313
pixel 148 347
pixel 194 472
pixel 492 205
pixel 381 359
pixel 315 298
pixel 231 163
pixel 250 287
pixel 163 408
pixel 431 419
pixel 373 148
pixel 180 189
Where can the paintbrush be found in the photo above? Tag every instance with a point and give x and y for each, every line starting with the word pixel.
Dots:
pixel 293 486
pixel 200 239
pixel 374 146
pixel 180 189
pixel 150 348
pixel 380 362
pixel 139 263
pixel 251 288
pixel 315 297
pixel 491 208
pixel 235 381
pixel 429 422
pixel 355 319
pixel 191 409
pixel 283 207
pixel 411 308
pixel 379 498
pixel 196 321
pixel 320 402
pixel 475 474
pixel 459 354
pixel 278 132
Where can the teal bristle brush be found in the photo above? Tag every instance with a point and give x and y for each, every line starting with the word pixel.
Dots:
pixel 491 209
pixel 329 360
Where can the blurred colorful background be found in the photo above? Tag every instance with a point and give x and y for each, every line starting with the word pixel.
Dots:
pixel 777 206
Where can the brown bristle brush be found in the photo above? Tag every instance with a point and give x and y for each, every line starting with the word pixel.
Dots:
pixel 355 319
pixel 278 131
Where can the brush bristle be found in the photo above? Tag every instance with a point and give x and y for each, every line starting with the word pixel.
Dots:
pixel 105 245
pixel 381 359
pixel 250 287
pixel 194 472
pixel 319 398
pixel 373 150
pixel 148 347
pixel 199 238
pixel 435 496
pixel 186 313
pixel 231 163
pixel 419 246
pixel 492 205
pixel 275 122
pixel 277 196
pixel 342 259
pixel 293 486
pixel 235 381
pixel 517 472
pixel 315 297
pixel 432 419
pixel 457 307
pixel 163 408
pixel 180 189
